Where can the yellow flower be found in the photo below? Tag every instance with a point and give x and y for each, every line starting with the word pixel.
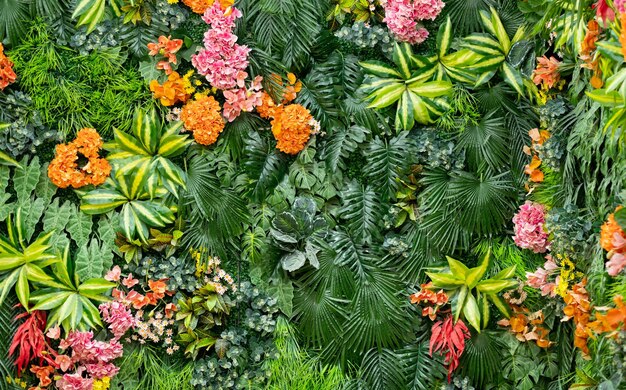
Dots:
pixel 172 1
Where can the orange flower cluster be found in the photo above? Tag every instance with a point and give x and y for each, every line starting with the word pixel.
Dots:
pixel 158 289
pixel 292 124
pixel 578 307
pixel 292 128
pixel 537 138
pixel 524 325
pixel 7 75
pixel 64 171
pixel 428 296
pixel 608 231
pixel 547 72
pixel 200 6
pixel 175 90
pixel 202 116
pixel 43 374
pixel 611 322
pixel 168 48
pixel 588 46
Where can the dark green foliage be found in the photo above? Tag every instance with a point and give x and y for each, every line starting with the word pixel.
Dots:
pixel 7 328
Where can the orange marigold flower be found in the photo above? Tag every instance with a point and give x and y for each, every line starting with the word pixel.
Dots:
pixel 7 75
pixel 64 170
pixel 268 109
pixel 173 91
pixel 292 128
pixel 547 72
pixel 200 6
pixel 202 116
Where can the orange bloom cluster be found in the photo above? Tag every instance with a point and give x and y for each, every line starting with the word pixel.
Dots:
pixel 547 72
pixel 202 116
pixel 588 46
pixel 524 325
pixel 43 374
pixel 537 138
pixel 268 109
pixel 611 322
pixel 428 296
pixel 64 171
pixel 174 90
pixel 7 75
pixel 200 6
pixel 158 289
pixel 292 128
pixel 578 307
pixel 613 240
pixel 608 231
pixel 168 48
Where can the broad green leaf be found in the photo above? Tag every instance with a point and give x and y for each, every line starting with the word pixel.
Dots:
pixel 491 286
pixel 387 95
pixel 459 302
pixel 471 312
pixel 458 269
pixel 380 69
pixel 402 57
pixel 445 281
pixel 79 227
pixel 477 273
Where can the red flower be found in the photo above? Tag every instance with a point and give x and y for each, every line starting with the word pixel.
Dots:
pixel 29 341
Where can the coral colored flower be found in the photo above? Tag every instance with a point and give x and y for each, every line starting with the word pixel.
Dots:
pixel 529 228
pixel 54 332
pixel 547 72
pixel 129 281
pixel 64 362
pixel 242 99
pixel 578 307
pixel 449 338
pixel 613 240
pixel 170 309
pixel 202 117
pixel 175 90
pixel 222 61
pixel 114 274
pixel 292 127
pixel 7 75
pixel 167 48
pixel 403 16
pixel 539 278
pixel 43 374
pixel 64 171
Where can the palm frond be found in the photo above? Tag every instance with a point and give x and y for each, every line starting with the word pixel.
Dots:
pixel 7 330
pixel 14 20
pixel 421 369
pixel 362 210
pixel 341 143
pixel 264 165
pixel 486 142
pixel 481 361
pixel 465 15
pixel 386 160
pixel 384 369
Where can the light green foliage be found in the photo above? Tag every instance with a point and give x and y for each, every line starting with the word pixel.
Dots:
pixel 70 91
pixel 470 293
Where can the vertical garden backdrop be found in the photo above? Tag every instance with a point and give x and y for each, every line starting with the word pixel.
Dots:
pixel 312 194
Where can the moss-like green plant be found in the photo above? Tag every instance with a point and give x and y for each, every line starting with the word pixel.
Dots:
pixel 72 91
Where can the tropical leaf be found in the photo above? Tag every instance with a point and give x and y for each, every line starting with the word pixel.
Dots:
pixel 362 210
pixel 387 160
pixel 264 165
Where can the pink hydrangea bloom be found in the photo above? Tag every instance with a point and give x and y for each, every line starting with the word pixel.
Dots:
pixel 620 5
pixel 75 381
pixel 617 259
pixel 403 17
pixel 529 228
pixel 243 99
pixel 222 61
pixel 118 316
pixel 99 370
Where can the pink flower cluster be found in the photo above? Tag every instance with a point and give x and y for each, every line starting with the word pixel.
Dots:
pixel 222 61
pixel 91 357
pixel 243 99
pixel 529 228
pixel 620 5
pixel 118 316
pixel 617 257
pixel 539 278
pixel 403 17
